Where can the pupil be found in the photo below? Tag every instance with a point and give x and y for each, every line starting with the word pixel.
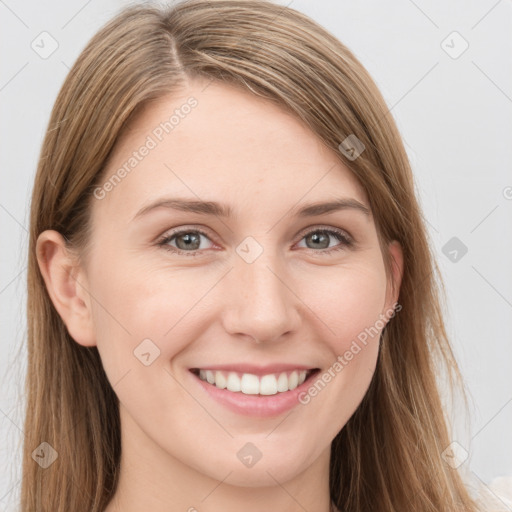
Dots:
pixel 189 239
pixel 317 237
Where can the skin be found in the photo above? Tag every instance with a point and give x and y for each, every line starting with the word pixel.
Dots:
pixel 296 303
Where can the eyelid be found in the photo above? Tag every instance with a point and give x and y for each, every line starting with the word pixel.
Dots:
pixel 185 229
pixel 320 227
pixel 342 233
pixel 204 231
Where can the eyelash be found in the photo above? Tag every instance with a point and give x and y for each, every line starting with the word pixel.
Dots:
pixel 347 242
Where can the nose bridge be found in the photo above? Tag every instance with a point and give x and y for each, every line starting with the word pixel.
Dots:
pixel 260 303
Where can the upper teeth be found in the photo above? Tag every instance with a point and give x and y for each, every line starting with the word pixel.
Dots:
pixel 252 384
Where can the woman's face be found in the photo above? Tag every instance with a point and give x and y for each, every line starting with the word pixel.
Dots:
pixel 260 291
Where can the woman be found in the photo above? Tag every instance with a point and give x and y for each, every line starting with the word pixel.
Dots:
pixel 265 372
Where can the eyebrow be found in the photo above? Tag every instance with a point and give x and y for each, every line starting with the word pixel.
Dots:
pixel 220 210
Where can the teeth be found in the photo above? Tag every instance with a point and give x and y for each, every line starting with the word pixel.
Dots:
pixel 268 385
pixel 220 380
pixel 282 382
pixel 234 383
pixel 250 384
pixel 293 381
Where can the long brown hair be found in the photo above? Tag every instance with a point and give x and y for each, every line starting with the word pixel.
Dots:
pixel 389 454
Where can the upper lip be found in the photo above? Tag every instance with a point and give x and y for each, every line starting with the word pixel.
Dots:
pixel 254 369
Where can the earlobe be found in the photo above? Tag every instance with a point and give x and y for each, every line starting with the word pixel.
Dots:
pixel 66 286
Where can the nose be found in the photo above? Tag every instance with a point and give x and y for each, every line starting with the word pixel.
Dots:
pixel 259 300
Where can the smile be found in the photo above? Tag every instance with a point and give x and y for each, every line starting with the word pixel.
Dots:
pixel 251 384
pixel 251 390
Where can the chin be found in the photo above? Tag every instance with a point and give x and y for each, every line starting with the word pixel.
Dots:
pixel 265 472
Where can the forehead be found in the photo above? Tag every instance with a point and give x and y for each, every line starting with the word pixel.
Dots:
pixel 217 142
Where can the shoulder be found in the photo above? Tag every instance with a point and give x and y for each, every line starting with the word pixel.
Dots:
pixel 495 496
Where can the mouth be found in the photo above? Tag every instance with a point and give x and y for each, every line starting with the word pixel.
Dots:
pixel 252 384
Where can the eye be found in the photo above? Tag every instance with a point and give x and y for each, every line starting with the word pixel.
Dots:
pixel 319 238
pixel 188 241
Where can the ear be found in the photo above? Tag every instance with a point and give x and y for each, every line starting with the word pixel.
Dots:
pixel 67 286
pixel 395 278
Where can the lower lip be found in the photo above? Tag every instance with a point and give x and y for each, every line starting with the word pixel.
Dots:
pixel 262 406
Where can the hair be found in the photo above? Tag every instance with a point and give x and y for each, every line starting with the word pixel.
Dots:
pixel 389 453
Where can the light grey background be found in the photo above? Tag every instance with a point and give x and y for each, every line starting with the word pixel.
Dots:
pixel 455 115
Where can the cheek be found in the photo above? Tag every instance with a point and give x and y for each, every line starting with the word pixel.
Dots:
pixel 351 307
pixel 142 324
pixel 134 303
pixel 348 302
